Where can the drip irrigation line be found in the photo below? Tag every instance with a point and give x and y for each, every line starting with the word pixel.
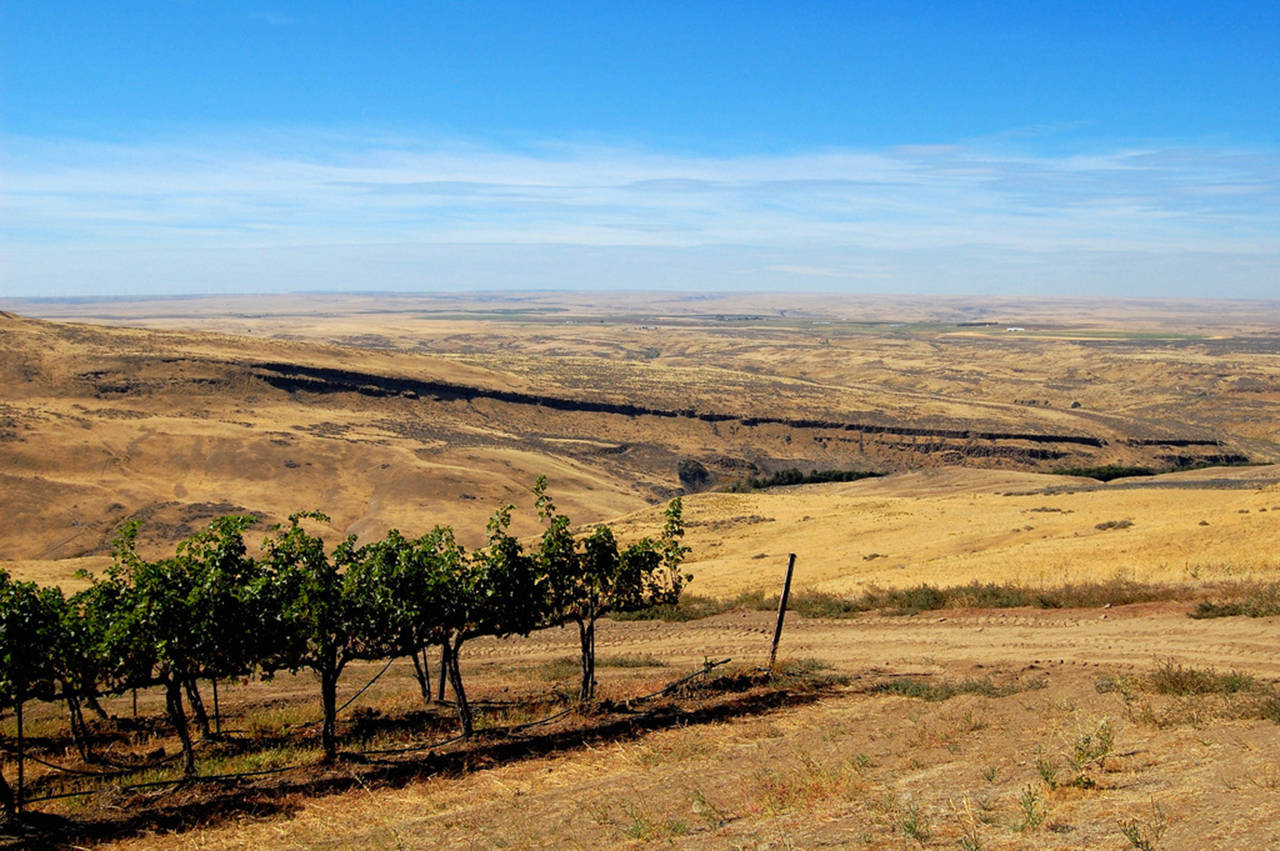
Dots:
pixel 82 793
pixel 411 748
pixel 541 721
pixel 365 687
pixel 164 761
pixel 221 778
pixel 706 668
pixel 78 771
pixel 351 699
pixel 102 789
pixel 122 770
pixel 197 778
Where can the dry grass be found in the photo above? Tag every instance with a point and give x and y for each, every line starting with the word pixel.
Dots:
pixel 857 770
pixel 978 528
pixel 1257 601
pixel 268 767
pixel 1174 678
pixel 1255 595
pixel 1003 575
pixel 1174 694
pixel 947 689
pixel 179 424
pixel 992 753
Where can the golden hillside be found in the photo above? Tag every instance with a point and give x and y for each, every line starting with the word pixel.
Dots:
pixel 955 525
pixel 413 411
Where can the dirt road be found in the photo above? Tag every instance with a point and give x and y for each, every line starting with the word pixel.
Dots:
pixel 1119 637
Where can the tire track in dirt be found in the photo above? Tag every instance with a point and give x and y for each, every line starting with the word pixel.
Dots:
pixel 1120 636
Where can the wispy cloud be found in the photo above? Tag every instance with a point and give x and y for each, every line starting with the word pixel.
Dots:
pixel 278 191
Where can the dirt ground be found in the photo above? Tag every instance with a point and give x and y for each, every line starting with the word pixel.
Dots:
pixel 1046 729
pixel 854 766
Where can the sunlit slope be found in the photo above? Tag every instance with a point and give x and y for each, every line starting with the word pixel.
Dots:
pixel 952 526
pixel 1136 368
pixel 99 425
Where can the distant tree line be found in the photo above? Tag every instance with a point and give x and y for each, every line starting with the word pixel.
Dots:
pixel 213 611
pixel 1110 472
pixel 1105 473
pixel 794 476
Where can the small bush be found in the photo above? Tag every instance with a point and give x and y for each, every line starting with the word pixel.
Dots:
pixel 819 604
pixel 1173 678
pixel 945 689
pixel 802 666
pixel 1091 750
pixel 758 601
pixel 559 669
pixel 1257 602
pixel 922 598
pixel 989 595
pixel 1197 695
pixel 1033 810
pixel 1048 772
pixel 690 608
pixel 1254 600
pixel 915 825
pixel 1145 835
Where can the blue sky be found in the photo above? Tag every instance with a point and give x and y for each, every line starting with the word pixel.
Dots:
pixel 181 146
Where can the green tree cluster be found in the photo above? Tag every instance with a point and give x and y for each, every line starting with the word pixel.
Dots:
pixel 212 611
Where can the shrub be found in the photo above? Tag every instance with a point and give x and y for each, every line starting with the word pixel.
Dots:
pixel 1257 602
pixel 946 689
pixel 1173 678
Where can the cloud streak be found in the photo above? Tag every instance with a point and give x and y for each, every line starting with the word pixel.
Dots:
pixel 270 193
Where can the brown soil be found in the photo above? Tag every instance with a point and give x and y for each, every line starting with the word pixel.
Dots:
pixel 423 410
pixel 458 405
pixel 817 766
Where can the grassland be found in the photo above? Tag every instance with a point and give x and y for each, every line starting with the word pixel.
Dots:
pixel 413 411
pixel 1028 729
pixel 935 727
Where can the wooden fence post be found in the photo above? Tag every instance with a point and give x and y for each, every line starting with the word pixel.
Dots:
pixel 782 610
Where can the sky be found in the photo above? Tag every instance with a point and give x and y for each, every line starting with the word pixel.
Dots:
pixel 1048 148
